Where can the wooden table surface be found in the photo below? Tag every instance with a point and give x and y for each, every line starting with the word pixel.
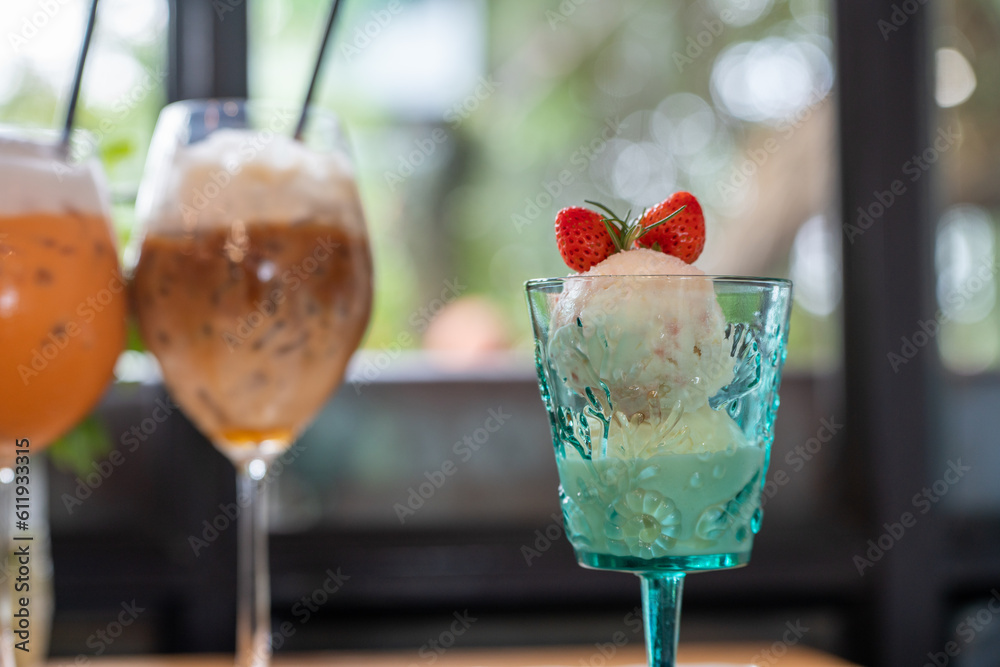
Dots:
pixel 715 655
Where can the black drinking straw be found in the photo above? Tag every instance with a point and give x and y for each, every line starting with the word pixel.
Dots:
pixel 78 77
pixel 300 127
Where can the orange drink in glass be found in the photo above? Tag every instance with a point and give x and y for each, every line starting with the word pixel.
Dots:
pixel 62 302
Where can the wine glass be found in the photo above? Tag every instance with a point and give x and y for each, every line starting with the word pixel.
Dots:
pixel 662 393
pixel 253 288
pixel 62 322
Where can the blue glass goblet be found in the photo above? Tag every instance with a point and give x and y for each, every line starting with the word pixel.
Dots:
pixel 662 393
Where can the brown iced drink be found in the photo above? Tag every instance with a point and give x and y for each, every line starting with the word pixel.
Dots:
pixel 253 324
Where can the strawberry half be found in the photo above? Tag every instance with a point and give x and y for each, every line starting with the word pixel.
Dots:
pixel 582 238
pixel 683 236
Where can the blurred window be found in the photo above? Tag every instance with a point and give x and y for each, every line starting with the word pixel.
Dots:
pixel 123 87
pixel 966 327
pixel 474 122
pixel 968 97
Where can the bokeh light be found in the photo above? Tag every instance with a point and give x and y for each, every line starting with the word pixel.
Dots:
pixel 815 267
pixel 741 13
pixel 965 256
pixel 955 81
pixel 769 80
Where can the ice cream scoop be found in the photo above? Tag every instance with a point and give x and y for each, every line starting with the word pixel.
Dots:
pixel 638 348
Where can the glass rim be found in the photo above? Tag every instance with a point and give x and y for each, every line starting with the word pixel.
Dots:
pixel 260 115
pixel 539 283
pixel 205 102
pixel 36 133
pixel 82 142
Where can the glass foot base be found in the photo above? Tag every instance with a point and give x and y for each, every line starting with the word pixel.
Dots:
pixel 666 564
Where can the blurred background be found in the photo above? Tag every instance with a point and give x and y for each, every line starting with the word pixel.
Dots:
pixel 853 150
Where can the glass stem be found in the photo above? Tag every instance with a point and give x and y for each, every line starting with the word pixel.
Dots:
pixel 661 613
pixel 6 583
pixel 253 594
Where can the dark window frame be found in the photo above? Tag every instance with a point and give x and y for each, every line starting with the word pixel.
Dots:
pixel 886 110
pixel 207 49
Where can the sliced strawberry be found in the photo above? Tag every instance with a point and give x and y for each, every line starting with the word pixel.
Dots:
pixel 582 238
pixel 683 236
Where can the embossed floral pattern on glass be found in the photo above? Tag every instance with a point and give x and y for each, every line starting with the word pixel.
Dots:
pixel 662 416
pixel 661 393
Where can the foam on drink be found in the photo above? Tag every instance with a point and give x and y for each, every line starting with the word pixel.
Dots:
pixel 35 178
pixel 252 177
